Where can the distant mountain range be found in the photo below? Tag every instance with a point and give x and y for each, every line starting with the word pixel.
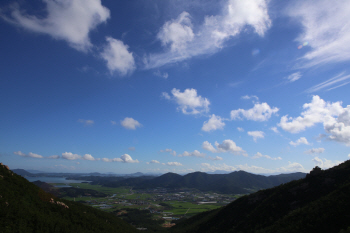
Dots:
pixel 236 182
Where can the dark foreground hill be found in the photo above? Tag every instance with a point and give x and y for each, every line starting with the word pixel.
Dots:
pixel 236 182
pixel 318 203
pixel 26 208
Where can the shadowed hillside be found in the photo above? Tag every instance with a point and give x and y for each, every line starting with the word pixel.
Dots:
pixel 26 208
pixel 317 203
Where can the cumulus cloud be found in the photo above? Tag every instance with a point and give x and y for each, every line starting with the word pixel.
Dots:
pixel 214 123
pixel 88 157
pixel 130 123
pixel 174 164
pixel 176 33
pixel 189 102
pixel 260 112
pixel 70 156
pixel 315 151
pixel 182 40
pixel 274 129
pixel 125 158
pixel 294 77
pixel 256 134
pixel 195 153
pixel 300 141
pixel 325 163
pixel 240 129
pixel 171 151
pixel 292 167
pixel 325 28
pixel 208 146
pixel 259 155
pixel 117 56
pixel 71 21
pixel 86 122
pixel 226 146
pixel 335 119
pixel 315 112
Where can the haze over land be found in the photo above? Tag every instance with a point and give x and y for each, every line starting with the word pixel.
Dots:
pixel 157 86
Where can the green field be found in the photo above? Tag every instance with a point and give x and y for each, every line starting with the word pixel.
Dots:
pixel 106 190
pixel 180 208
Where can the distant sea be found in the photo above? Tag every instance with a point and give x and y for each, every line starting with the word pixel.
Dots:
pixel 61 180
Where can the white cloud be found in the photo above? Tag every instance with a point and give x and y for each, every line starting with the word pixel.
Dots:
pixel 189 102
pixel 256 134
pixel 19 153
pixel 349 155
pixel 325 163
pixel 315 112
pixel 248 97
pixel 300 141
pixel 132 148
pixel 86 122
pixel 174 164
pixel 315 151
pixel 260 112
pixel 130 123
pixel 183 41
pixel 274 129
pixel 319 111
pixel 214 123
pixel 117 56
pixel 172 152
pixel 195 153
pixel 54 157
pixel 259 155
pixel 88 157
pixel 294 77
pixel 160 74
pixel 125 158
pixel 325 28
pixel 216 158
pixel 71 21
pixel 229 146
pixel 292 167
pixel 154 161
pixel 113 122
pixel 30 154
pixel 340 78
pixel 339 129
pixel 177 33
pixel 166 96
pixel 240 129
pixel 208 146
pixel 70 156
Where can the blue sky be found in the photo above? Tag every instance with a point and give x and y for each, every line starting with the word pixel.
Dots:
pixel 180 86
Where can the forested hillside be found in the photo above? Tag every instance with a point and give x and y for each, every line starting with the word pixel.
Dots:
pixel 26 208
pixel 317 203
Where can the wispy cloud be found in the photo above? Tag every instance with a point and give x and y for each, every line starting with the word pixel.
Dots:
pixel 182 40
pixel 330 82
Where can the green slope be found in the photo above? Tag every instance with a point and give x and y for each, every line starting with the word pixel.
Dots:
pixel 318 203
pixel 26 208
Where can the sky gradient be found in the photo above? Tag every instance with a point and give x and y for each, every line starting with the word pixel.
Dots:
pixel 174 86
